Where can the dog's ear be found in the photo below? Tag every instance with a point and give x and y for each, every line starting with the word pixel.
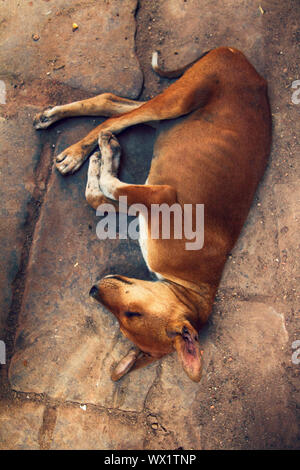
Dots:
pixel 125 364
pixel 134 359
pixel 187 345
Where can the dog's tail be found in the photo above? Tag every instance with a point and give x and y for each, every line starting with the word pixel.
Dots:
pixel 172 73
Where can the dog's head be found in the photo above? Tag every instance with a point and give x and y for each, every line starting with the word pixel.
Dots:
pixel 155 317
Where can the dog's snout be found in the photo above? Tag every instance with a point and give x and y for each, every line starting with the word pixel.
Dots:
pixel 94 292
pixel 119 278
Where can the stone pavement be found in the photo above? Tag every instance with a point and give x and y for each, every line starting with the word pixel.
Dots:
pixel 56 391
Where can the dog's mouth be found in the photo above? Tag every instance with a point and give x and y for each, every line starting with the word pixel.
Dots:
pixel 119 278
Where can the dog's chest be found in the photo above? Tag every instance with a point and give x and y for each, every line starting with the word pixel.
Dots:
pixel 143 242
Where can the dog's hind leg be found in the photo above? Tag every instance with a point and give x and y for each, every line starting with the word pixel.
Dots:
pixel 106 104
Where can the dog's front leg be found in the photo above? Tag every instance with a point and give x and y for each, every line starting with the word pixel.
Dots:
pixel 93 193
pixel 113 188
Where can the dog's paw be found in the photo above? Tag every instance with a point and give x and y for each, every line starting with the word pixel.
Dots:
pixel 93 193
pixel 108 140
pixel 110 150
pixel 94 166
pixel 45 118
pixel 70 160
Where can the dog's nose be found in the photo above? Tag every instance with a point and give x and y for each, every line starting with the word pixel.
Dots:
pixel 94 292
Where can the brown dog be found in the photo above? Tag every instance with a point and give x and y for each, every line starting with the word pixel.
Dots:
pixel 213 141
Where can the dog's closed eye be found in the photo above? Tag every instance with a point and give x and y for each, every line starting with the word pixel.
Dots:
pixel 132 314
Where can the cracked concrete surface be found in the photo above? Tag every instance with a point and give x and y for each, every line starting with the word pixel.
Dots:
pixel 56 391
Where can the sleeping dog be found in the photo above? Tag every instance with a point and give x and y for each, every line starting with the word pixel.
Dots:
pixel 212 145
